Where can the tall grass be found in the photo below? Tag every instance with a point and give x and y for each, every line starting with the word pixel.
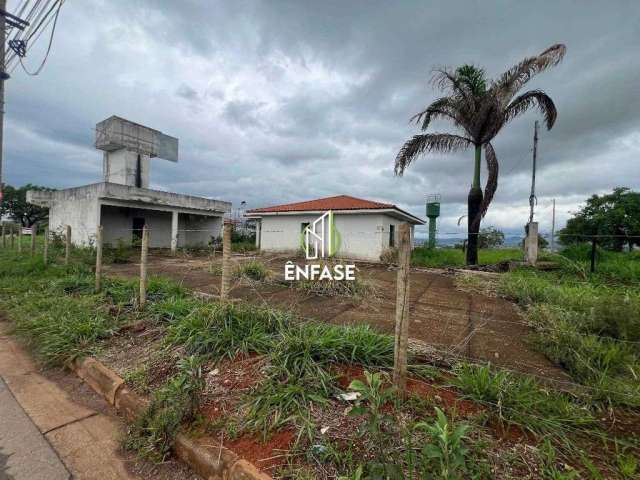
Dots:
pixel 521 400
pixel 454 257
pixel 175 403
pixel 589 327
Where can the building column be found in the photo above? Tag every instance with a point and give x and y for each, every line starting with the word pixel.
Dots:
pixel 174 232
pixel 258 232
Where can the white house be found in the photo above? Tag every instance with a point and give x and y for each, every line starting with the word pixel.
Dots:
pixel 365 228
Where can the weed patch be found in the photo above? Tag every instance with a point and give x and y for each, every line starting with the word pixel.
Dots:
pixel 153 434
pixel 253 270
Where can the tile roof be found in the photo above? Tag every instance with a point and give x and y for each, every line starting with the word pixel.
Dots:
pixel 340 202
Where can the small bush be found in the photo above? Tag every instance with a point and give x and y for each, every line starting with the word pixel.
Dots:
pixel 121 253
pixel 254 270
pixel 389 256
pixel 243 246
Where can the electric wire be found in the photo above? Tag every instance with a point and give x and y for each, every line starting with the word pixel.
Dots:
pixel 46 56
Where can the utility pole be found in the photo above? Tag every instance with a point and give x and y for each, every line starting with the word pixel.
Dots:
pixel 553 227
pixel 532 197
pixel 3 76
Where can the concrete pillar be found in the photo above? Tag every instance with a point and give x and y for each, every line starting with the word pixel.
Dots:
pixel 174 232
pixel 225 282
pixel 258 233
pixel 531 244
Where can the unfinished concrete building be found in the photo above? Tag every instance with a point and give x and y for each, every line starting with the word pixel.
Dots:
pixel 123 204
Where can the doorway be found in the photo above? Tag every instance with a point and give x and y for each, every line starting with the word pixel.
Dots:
pixel 138 225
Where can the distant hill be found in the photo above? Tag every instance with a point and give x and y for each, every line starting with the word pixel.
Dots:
pixel 450 241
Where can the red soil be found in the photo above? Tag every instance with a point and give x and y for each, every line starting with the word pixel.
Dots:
pixel 510 433
pixel 449 399
pixel 264 455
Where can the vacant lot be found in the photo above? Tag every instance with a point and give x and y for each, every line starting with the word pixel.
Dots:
pixel 451 321
pixel 307 399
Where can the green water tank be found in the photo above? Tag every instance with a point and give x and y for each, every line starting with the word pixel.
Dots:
pixel 433 206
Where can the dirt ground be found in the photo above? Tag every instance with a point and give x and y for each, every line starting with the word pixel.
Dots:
pixel 447 320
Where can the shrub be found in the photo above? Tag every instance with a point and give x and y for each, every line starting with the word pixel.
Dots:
pixel 253 269
pixel 389 256
pixel 121 253
pixel 243 246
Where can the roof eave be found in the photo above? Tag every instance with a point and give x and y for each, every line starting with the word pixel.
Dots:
pixel 398 213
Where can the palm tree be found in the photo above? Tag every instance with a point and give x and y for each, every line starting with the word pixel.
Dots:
pixel 479 109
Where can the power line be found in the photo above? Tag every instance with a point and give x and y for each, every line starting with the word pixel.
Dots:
pixel 46 56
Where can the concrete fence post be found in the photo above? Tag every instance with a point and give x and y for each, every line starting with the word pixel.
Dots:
pixel 144 254
pixel 402 310
pixel 34 234
pixel 174 233
pixel 13 237
pixel 20 238
pixel 226 260
pixel 531 243
pixel 98 258
pixel 45 248
pixel 67 245
pixel 4 236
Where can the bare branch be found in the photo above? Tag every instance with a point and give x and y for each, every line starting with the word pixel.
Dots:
pixel 431 142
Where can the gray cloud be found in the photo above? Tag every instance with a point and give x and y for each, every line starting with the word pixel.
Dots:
pixel 288 100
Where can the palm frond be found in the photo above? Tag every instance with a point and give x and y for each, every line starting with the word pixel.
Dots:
pixel 445 107
pixel 492 181
pixel 529 99
pixel 513 79
pixel 430 142
pixel 447 81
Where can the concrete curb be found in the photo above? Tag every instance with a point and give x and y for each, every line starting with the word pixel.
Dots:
pixel 210 461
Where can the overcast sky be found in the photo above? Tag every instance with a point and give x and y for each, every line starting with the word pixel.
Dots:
pixel 275 102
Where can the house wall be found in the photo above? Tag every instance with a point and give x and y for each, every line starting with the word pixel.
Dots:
pixel 79 210
pixel 117 225
pixel 198 230
pixel 363 236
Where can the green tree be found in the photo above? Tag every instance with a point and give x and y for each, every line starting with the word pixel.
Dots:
pixel 479 109
pixel 14 205
pixel 616 213
pixel 490 237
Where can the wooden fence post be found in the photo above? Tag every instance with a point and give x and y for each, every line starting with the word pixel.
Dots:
pixel 13 238
pixel 34 233
pixel 99 258
pixel 226 260
pixel 594 244
pixel 402 310
pixel 20 238
pixel 45 248
pixel 4 236
pixel 67 245
pixel 144 254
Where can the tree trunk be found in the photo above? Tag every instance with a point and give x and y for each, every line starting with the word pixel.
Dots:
pixel 473 209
